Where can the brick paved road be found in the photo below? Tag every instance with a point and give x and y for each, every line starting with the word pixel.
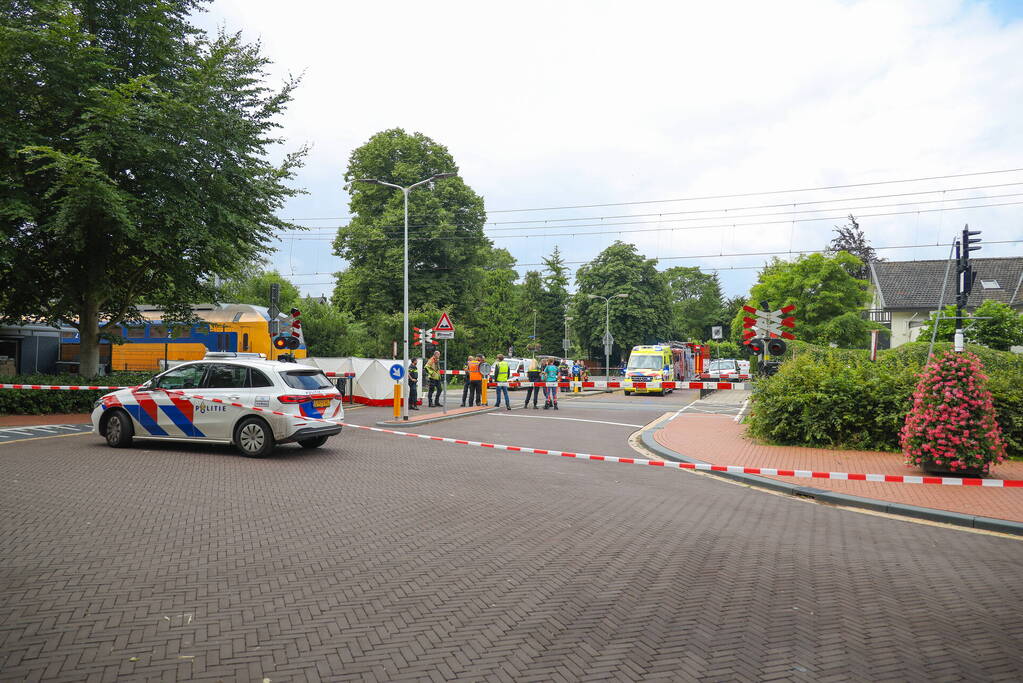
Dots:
pixel 385 558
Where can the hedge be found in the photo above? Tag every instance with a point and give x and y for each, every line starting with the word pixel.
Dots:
pixel 838 398
pixel 45 402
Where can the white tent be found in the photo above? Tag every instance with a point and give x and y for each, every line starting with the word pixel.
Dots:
pixel 373 384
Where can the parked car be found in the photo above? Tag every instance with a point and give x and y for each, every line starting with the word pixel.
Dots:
pixel 163 407
pixel 726 368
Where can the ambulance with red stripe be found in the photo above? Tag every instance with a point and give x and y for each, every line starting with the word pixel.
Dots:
pixel 167 407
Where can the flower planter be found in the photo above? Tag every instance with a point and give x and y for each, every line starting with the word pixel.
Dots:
pixel 931 468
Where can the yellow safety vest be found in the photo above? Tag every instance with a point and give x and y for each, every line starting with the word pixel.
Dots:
pixel 502 371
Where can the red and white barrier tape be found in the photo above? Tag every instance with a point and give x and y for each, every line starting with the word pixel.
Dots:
pixel 706 467
pixel 61 388
pixel 339 374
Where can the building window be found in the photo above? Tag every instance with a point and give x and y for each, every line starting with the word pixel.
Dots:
pixel 990 284
pixel 136 333
pixel 245 342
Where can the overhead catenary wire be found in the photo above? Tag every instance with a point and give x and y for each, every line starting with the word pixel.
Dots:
pixel 732 209
pixel 711 256
pixel 616 231
pixel 733 195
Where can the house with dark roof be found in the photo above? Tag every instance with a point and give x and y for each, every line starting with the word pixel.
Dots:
pixel 907 292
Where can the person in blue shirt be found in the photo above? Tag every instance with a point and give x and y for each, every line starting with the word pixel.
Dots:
pixel 550 393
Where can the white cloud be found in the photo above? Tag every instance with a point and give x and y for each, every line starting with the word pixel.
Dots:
pixel 549 104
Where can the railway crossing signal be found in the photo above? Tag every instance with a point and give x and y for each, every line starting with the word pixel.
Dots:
pixel 764 333
pixel 293 339
pixel 423 336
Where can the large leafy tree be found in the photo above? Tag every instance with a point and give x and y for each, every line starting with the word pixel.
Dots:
pixel 827 298
pixel 696 302
pixel 531 299
pixel 447 247
pixel 496 317
pixel 132 161
pixel 553 304
pixel 850 238
pixel 643 317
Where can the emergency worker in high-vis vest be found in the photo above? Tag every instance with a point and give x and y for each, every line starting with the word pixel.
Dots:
pixel 474 380
pixel 502 374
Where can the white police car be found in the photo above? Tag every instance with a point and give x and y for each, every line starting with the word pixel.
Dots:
pixel 163 407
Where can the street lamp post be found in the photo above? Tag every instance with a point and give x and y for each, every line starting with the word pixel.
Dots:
pixel 607 327
pixel 405 191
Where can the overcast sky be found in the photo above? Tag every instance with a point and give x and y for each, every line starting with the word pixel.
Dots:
pixel 579 103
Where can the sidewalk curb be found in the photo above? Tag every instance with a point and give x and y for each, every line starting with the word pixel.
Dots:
pixel 1004 526
pixel 431 420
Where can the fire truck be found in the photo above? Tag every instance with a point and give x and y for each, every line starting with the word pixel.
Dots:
pixel 671 361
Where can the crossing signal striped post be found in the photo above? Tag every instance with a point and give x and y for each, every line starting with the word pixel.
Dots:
pixel 291 339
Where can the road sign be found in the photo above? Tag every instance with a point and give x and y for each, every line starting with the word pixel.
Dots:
pixel 442 334
pixel 566 344
pixel 444 325
pixel 397 372
pixel 423 336
pixel 717 332
pixel 769 323
pixel 273 312
pixel 608 339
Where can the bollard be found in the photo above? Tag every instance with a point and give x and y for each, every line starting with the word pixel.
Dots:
pixel 484 392
pixel 397 400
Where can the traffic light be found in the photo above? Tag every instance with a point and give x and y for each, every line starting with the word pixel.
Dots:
pixel 776 347
pixel 968 241
pixel 757 345
pixel 286 341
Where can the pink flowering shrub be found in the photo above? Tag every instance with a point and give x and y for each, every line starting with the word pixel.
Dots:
pixel 952 423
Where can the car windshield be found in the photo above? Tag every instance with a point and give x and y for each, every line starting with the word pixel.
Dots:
pixel 645 362
pixel 722 365
pixel 306 379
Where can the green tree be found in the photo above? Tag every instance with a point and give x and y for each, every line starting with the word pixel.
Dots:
pixel 530 306
pixel 946 326
pixel 553 304
pixel 251 285
pixel 447 247
pixel 643 317
pixel 496 318
pixel 330 333
pixel 132 161
pixel 827 298
pixel 997 326
pixel 696 302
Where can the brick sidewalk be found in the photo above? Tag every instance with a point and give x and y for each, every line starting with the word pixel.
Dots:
pixel 32 420
pixel 721 441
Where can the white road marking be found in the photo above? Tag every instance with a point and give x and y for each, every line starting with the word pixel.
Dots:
pixel 679 411
pixel 742 410
pixel 573 419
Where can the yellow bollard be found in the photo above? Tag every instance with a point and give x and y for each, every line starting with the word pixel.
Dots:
pixel 484 396
pixel 397 399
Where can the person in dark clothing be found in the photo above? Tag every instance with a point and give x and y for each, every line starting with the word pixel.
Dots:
pixel 413 385
pixel 532 375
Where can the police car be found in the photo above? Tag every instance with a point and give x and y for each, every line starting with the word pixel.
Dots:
pixel 163 407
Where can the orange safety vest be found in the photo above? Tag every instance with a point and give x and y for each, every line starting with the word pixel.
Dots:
pixel 474 371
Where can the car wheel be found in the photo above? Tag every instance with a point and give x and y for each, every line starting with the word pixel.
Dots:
pixel 253 438
pixel 119 430
pixel 314 442
pixel 628 393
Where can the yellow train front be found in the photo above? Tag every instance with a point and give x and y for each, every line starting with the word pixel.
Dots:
pixel 154 345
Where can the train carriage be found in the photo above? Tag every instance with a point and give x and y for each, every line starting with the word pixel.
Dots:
pixel 154 345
